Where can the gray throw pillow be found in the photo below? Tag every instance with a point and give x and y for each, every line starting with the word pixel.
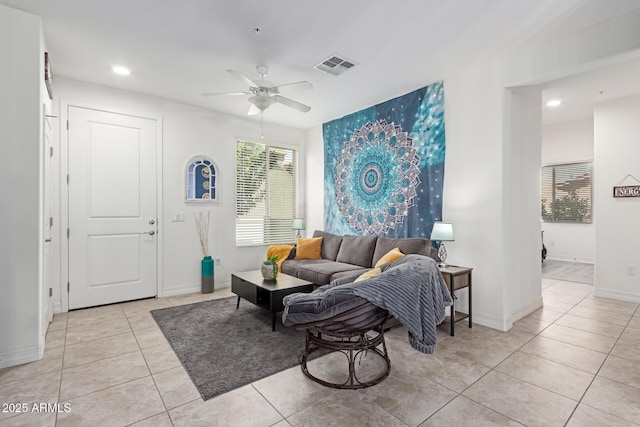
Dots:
pixel 357 250
pixel 417 246
pixel 330 244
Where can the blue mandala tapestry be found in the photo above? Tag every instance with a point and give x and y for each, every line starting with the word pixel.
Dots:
pixel 384 167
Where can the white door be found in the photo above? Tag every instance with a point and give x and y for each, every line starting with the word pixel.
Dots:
pixel 112 207
pixel 47 279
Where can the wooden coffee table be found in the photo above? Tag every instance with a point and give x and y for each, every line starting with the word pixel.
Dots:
pixel 267 294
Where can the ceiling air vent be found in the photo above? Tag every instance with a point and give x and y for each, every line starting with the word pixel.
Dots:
pixel 334 65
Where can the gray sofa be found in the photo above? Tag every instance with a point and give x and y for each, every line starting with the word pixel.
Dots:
pixel 345 257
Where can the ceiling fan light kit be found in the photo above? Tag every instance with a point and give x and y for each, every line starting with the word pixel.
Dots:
pixel 262 102
pixel 264 93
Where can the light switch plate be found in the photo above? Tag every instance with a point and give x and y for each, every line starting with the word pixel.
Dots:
pixel 177 217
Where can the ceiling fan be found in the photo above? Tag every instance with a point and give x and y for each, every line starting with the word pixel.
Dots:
pixel 264 93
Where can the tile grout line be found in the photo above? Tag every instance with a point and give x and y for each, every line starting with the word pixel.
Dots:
pixel 491 369
pixel 269 402
pixel 135 337
pixel 64 350
pixel 115 385
pixel 596 376
pixel 534 385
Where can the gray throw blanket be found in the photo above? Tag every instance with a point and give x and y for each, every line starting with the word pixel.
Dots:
pixel 411 289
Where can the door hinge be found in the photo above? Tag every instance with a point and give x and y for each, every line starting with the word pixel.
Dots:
pixel 67 179
pixel 50 221
pixel 50 151
pixel 68 286
pixel 67 124
pixel 68 233
pixel 50 292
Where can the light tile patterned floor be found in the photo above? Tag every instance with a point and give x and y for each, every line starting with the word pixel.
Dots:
pixel 575 362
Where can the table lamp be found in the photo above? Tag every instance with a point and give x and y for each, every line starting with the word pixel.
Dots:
pixel 298 224
pixel 442 232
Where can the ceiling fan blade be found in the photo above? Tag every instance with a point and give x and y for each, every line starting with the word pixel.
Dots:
pixel 253 110
pixel 291 103
pixel 244 79
pixel 225 93
pixel 303 85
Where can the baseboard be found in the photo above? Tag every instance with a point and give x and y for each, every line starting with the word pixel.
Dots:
pixel 526 310
pixel 19 356
pixel 570 259
pixel 57 307
pixel 489 322
pixel 622 296
pixel 222 284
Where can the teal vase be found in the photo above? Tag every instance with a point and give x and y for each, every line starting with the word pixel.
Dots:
pixel 207 275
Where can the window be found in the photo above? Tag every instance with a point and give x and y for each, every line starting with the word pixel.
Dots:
pixel 566 193
pixel 265 194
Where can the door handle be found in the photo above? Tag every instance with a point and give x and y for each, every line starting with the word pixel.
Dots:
pixel 150 233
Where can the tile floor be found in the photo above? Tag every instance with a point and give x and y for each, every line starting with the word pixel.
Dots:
pixel 567 270
pixel 575 362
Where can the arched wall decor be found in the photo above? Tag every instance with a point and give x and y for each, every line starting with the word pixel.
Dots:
pixel 202 180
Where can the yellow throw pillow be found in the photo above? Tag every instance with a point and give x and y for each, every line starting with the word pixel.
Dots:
pixel 393 255
pixel 308 248
pixel 369 274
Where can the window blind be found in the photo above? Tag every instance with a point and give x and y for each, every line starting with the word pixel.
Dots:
pixel 566 193
pixel 265 194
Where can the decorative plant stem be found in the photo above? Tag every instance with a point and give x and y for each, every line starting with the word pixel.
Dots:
pixel 202 224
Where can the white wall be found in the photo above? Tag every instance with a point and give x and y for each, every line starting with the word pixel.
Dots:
pixel 21 234
pixel 473 185
pixel 472 195
pixel 314 203
pixel 188 131
pixel 617 150
pixel 569 142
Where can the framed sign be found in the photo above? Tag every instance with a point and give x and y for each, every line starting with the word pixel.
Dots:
pixel 47 75
pixel 627 191
pixel 632 189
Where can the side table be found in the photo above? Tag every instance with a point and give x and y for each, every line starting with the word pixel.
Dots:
pixel 457 278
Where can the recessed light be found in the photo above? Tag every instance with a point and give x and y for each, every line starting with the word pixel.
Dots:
pixel 119 69
pixel 554 102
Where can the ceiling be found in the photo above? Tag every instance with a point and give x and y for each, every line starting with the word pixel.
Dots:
pixel 177 50
pixel 579 93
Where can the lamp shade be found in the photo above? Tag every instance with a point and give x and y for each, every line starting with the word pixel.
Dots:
pixel 298 224
pixel 442 232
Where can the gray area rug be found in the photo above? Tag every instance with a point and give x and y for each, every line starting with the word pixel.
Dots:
pixel 223 349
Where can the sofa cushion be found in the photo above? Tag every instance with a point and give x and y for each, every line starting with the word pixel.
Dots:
pixel 358 250
pixel 321 271
pixel 308 248
pixel 417 246
pixel 330 244
pixel 291 266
